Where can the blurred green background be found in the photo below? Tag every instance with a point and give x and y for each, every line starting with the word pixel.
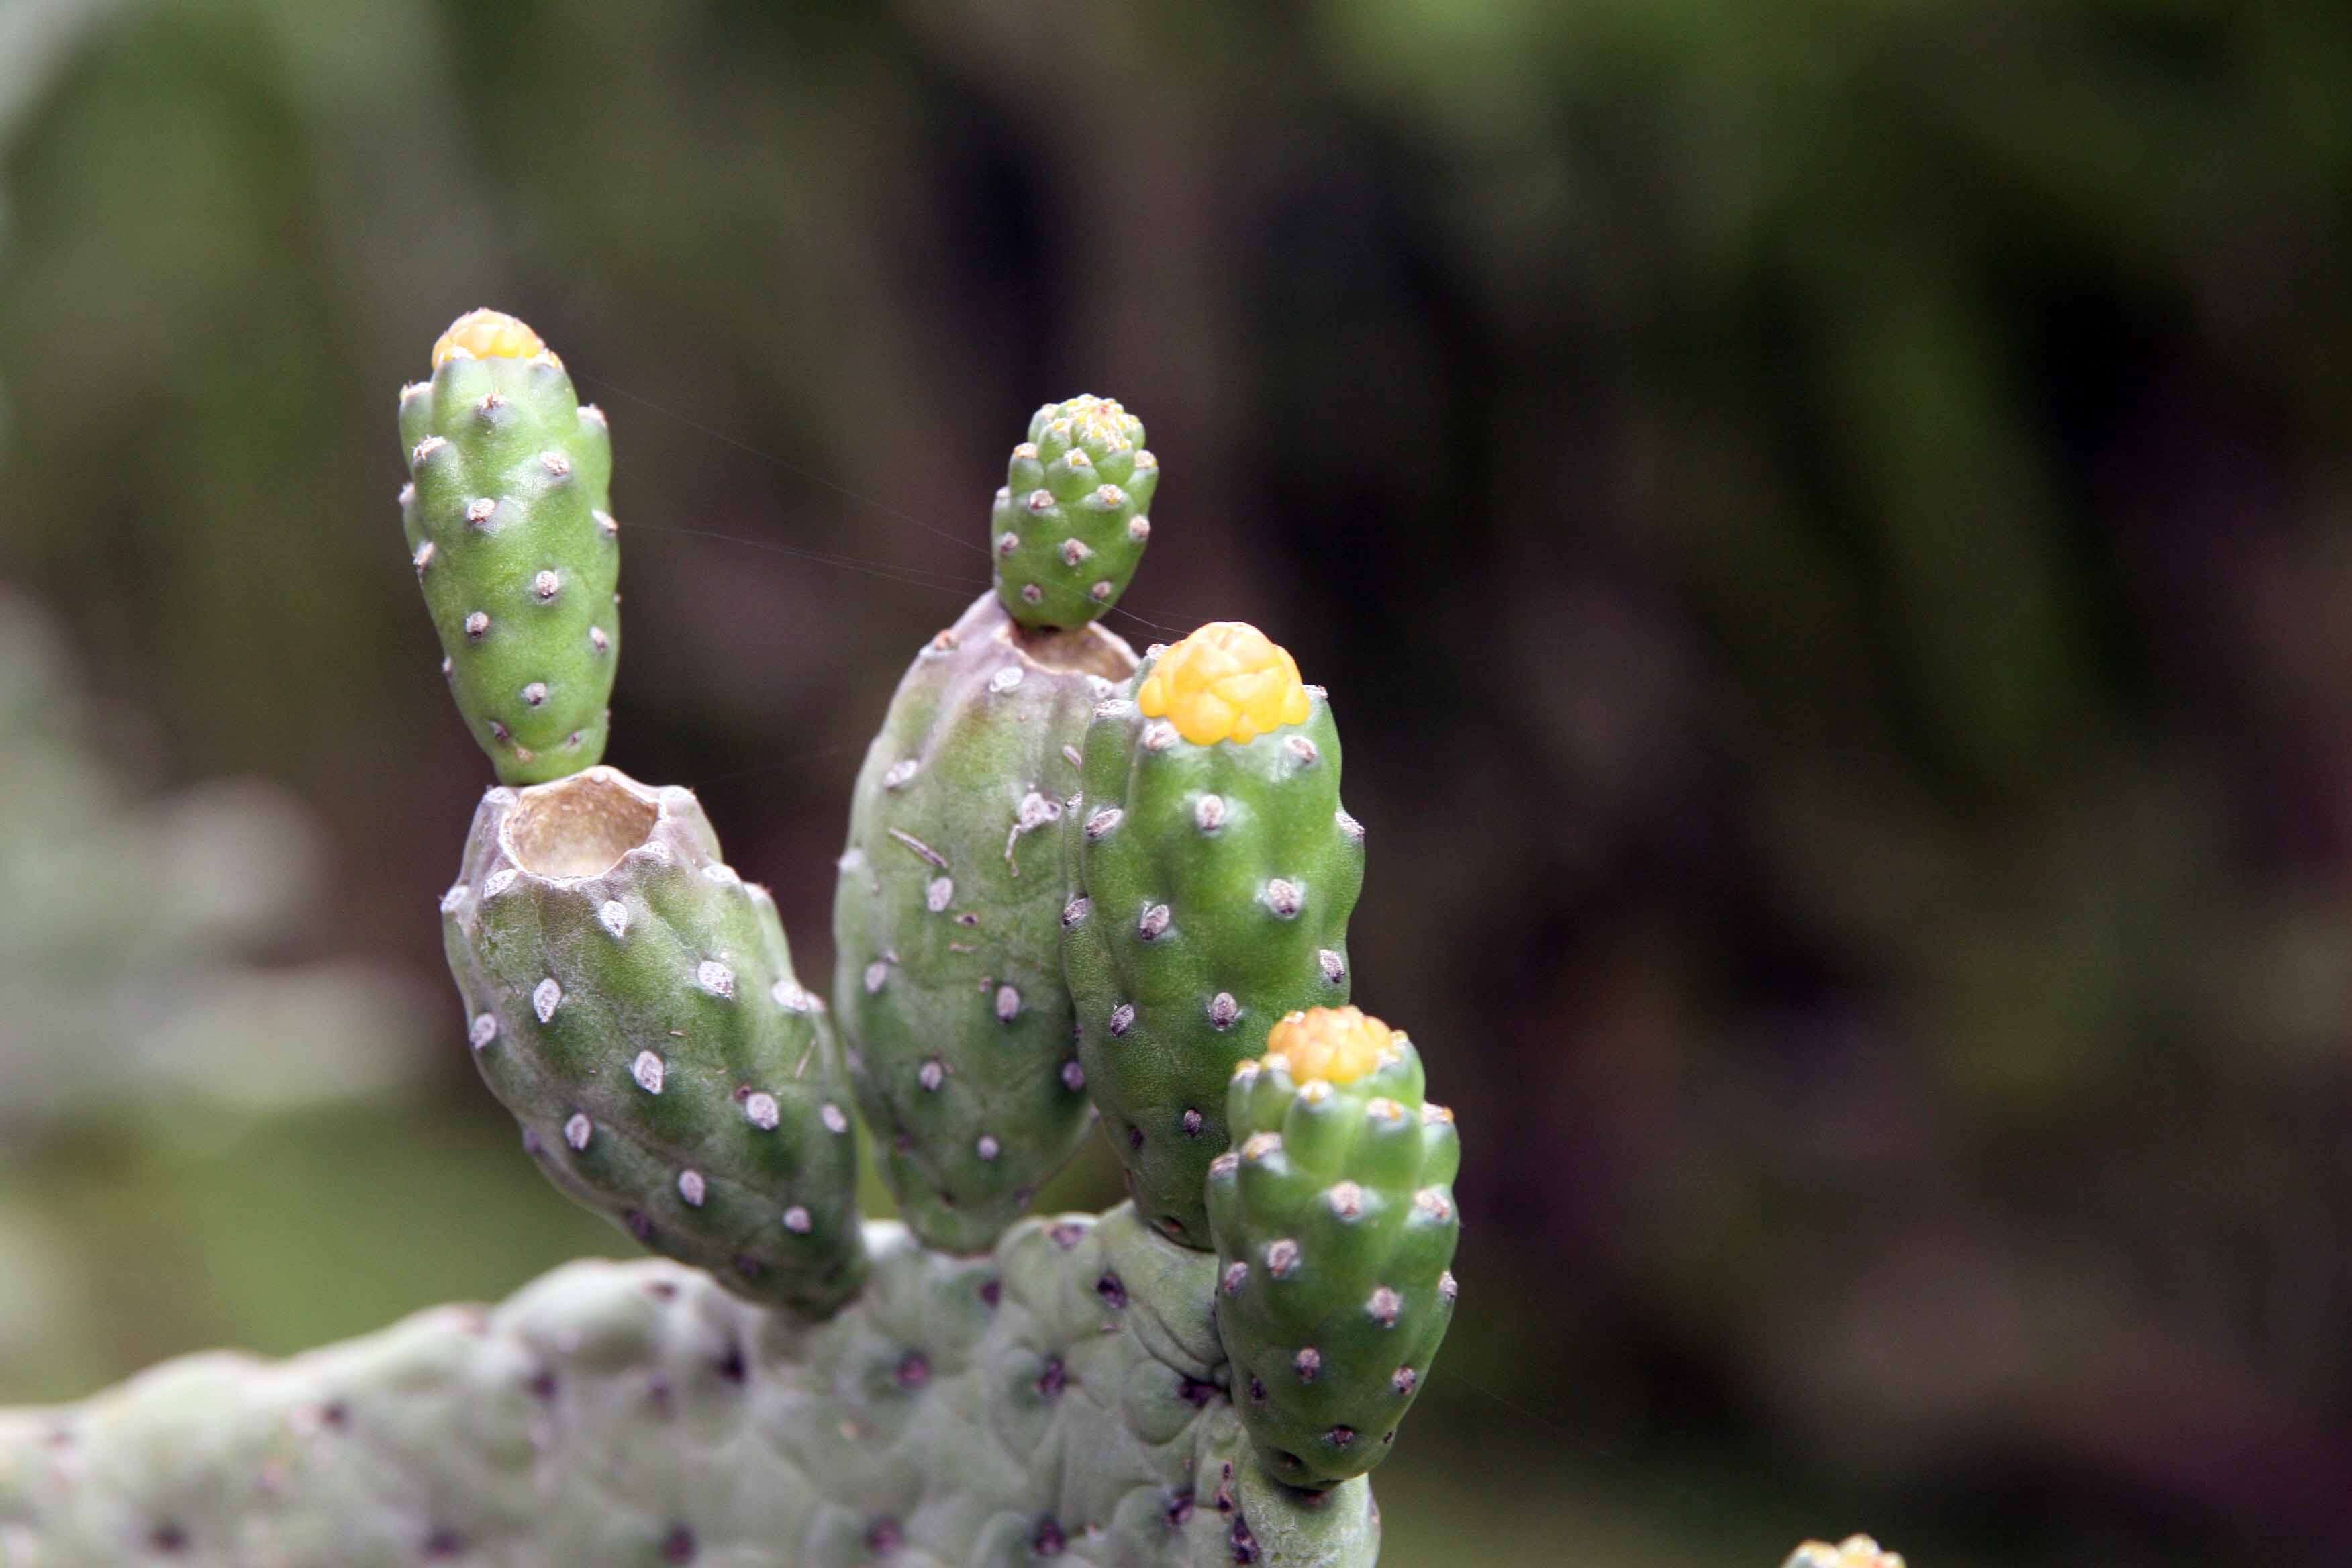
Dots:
pixel 1828 523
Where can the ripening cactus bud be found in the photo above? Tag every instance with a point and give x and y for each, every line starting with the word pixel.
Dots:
pixel 1211 870
pixel 632 1001
pixel 1070 523
pixel 1334 1220
pixel 510 530
pixel 1853 1552
pixel 947 921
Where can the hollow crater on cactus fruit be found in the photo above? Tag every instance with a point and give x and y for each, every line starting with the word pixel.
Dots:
pixel 578 826
pixel 1071 650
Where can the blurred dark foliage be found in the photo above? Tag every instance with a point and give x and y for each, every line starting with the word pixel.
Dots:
pixel 1826 524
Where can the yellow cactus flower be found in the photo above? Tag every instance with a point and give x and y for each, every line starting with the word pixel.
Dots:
pixel 1228 681
pixel 488 334
pixel 1335 1045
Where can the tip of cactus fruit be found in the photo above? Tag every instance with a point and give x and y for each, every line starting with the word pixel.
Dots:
pixel 1853 1552
pixel 1093 421
pixel 1228 681
pixel 1332 1044
pixel 1099 419
pixel 488 334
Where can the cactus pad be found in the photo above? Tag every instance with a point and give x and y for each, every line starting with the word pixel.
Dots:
pixel 510 530
pixel 1211 884
pixel 1061 1399
pixel 1335 1222
pixel 632 1001
pixel 947 921
pixel 1069 526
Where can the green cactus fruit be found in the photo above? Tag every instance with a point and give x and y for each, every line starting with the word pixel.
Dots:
pixel 1070 523
pixel 1335 1223
pixel 510 530
pixel 632 1001
pixel 1212 871
pixel 948 984
pixel 1059 1400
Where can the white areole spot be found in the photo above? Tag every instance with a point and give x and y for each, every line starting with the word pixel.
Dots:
pixel 648 1069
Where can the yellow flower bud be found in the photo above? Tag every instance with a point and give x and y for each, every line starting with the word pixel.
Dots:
pixel 1226 682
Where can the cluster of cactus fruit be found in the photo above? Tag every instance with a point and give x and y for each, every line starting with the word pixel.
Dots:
pixel 1078 885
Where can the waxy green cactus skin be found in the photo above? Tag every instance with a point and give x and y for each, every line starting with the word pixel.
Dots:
pixel 510 530
pixel 947 986
pixel 1335 1223
pixel 1070 524
pixel 1211 887
pixel 632 1000
pixel 1062 1398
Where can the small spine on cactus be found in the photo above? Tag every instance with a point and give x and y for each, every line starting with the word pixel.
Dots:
pixel 947 921
pixel 1070 524
pixel 510 533
pixel 1335 1226
pixel 632 1000
pixel 1212 871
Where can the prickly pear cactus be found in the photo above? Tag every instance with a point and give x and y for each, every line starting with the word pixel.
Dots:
pixel 947 921
pixel 632 1000
pixel 510 530
pixel 1069 526
pixel 1063 1398
pixel 1050 850
pixel 1334 1220
pixel 1212 871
